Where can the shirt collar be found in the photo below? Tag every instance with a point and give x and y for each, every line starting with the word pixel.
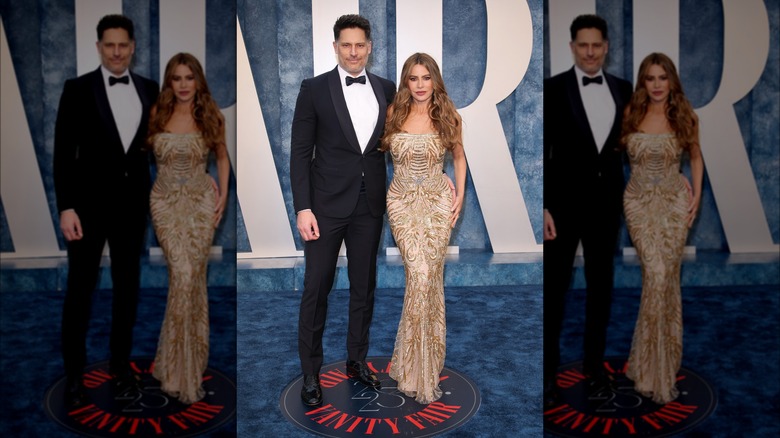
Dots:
pixel 580 74
pixel 343 73
pixel 107 73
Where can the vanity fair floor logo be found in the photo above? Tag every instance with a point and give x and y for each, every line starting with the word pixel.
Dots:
pixel 350 409
pixel 619 411
pixel 142 412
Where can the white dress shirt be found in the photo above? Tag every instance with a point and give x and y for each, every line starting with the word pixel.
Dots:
pixel 362 105
pixel 125 106
pixel 599 107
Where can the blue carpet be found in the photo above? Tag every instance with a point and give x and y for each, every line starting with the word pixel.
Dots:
pixel 468 268
pixel 493 336
pixel 31 360
pixel 731 338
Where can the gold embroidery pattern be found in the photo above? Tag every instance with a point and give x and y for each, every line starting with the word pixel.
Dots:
pixel 182 207
pixel 418 210
pixel 655 204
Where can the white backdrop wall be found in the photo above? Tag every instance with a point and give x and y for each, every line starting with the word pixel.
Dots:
pixel 728 56
pixel 44 43
pixel 490 54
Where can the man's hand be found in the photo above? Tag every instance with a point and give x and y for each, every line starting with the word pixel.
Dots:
pixel 307 226
pixel 549 226
pixel 70 225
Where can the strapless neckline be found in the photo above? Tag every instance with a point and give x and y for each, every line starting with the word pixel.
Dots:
pixel 649 134
pixel 182 134
pixel 430 134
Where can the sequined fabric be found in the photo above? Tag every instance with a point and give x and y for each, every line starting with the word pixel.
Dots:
pixel 182 208
pixel 418 210
pixel 655 204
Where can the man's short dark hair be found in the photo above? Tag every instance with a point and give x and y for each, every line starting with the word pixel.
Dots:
pixel 588 21
pixel 351 21
pixel 115 21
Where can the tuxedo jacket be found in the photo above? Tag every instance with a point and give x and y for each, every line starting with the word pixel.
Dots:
pixel 92 171
pixel 326 161
pixel 577 176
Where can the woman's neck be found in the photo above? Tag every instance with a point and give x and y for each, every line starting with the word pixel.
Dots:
pixel 656 108
pixel 419 108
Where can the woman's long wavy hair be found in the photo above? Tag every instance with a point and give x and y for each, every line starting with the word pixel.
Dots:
pixel 441 110
pixel 205 111
pixel 679 111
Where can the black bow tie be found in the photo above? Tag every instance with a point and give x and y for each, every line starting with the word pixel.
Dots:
pixel 598 79
pixel 123 80
pixel 359 80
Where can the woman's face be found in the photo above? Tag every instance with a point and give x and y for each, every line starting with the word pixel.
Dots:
pixel 420 84
pixel 657 84
pixel 183 84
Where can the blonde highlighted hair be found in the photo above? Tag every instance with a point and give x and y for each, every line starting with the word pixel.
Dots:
pixel 205 110
pixel 441 110
pixel 679 111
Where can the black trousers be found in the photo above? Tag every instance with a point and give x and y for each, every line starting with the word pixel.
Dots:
pixel 124 228
pixel 598 230
pixel 361 233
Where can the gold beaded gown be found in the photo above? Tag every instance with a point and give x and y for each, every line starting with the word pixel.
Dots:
pixel 656 205
pixel 182 207
pixel 418 210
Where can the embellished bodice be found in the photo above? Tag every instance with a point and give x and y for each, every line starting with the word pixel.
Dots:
pixel 655 161
pixel 181 159
pixel 418 160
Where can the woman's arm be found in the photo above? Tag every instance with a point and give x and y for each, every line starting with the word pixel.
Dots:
pixel 223 174
pixel 459 160
pixel 697 174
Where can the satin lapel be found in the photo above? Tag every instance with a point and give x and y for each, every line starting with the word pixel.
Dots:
pixel 104 109
pixel 340 107
pixel 619 105
pixel 575 100
pixel 145 106
pixel 379 92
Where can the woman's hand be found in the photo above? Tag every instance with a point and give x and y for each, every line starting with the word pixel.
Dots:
pixel 693 208
pixel 693 202
pixel 457 204
pixel 219 203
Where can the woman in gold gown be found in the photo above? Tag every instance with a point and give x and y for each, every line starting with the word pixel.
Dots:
pixel 659 126
pixel 422 125
pixel 185 127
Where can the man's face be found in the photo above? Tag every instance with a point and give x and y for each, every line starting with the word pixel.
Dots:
pixel 116 50
pixel 589 50
pixel 352 49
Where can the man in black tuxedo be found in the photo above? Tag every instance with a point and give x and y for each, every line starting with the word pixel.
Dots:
pixel 102 183
pixel 583 189
pixel 338 182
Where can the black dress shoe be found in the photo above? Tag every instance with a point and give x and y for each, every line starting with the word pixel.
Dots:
pixel 360 371
pixel 74 393
pixel 551 396
pixel 124 380
pixel 311 393
pixel 599 381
